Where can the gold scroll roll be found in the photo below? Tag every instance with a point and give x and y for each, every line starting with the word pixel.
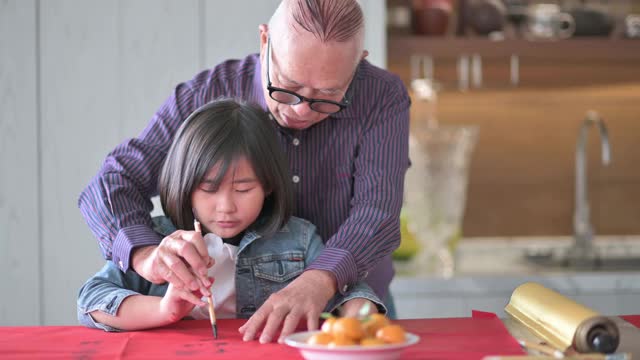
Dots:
pixel 560 321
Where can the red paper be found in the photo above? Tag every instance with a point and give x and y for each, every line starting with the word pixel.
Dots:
pixel 184 340
pixel 633 319
pixel 459 338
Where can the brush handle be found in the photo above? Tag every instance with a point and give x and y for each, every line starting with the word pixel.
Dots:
pixel 212 314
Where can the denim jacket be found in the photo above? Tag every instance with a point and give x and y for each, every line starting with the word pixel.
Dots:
pixel 264 266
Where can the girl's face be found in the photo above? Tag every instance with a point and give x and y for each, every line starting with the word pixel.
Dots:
pixel 229 209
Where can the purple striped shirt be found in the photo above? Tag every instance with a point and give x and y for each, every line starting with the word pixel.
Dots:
pixel 348 171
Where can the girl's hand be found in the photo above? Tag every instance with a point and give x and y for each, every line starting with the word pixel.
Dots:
pixel 352 308
pixel 178 303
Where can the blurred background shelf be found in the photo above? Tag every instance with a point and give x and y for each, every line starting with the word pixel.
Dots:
pixel 571 62
pixel 521 180
pixel 589 48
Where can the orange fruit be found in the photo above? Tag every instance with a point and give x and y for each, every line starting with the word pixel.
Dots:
pixel 373 322
pixel 320 338
pixel 327 325
pixel 391 334
pixel 371 341
pixel 341 341
pixel 348 327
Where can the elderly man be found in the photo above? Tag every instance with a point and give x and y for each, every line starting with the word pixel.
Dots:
pixel 344 125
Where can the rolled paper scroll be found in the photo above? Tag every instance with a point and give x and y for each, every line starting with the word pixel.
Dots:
pixel 562 322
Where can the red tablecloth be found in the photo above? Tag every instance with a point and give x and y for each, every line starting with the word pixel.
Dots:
pixel 458 338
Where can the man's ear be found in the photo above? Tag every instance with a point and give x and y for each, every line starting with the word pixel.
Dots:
pixel 264 35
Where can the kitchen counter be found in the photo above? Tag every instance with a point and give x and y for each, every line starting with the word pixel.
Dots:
pixel 489 269
pixel 499 255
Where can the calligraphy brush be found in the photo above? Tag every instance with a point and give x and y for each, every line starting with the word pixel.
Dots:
pixel 212 313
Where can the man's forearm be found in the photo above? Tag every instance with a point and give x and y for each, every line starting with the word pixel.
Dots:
pixel 324 279
pixel 118 214
pixel 340 264
pixel 131 239
pixel 371 231
pixel 138 257
pixel 98 217
pixel 117 203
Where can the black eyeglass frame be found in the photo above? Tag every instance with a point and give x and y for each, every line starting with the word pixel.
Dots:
pixel 342 105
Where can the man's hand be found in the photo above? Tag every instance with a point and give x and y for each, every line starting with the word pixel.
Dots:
pixel 352 308
pixel 305 297
pixel 181 259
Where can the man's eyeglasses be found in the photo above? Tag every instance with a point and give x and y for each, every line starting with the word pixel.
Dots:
pixel 285 96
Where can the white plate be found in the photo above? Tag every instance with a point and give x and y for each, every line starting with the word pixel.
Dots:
pixel 322 352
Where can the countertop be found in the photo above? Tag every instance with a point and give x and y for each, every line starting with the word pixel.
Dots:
pixel 489 269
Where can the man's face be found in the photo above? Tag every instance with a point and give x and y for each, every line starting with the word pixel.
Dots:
pixel 310 68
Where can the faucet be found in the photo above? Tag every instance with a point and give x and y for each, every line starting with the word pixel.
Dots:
pixel 583 254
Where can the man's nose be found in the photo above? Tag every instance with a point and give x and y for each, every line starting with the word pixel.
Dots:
pixel 303 110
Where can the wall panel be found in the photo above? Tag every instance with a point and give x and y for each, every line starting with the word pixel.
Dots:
pixel 106 67
pixel 19 183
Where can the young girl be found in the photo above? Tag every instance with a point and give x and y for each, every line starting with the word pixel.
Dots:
pixel 225 168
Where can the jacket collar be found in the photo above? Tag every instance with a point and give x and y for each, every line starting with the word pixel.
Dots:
pixel 251 235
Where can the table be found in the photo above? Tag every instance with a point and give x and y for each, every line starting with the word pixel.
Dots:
pixel 452 338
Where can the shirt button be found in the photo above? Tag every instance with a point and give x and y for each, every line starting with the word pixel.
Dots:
pixel 121 264
pixel 345 288
pixel 296 142
pixel 296 179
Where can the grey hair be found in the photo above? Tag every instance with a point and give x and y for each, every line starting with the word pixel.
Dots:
pixel 328 20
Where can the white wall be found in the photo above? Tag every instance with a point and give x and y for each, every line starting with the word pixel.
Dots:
pixel 76 78
pixel 19 166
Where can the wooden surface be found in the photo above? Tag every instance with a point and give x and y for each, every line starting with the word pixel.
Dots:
pixel 578 48
pixel 522 172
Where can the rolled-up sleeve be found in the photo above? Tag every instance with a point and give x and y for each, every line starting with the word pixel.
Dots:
pixel 116 204
pixel 372 229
